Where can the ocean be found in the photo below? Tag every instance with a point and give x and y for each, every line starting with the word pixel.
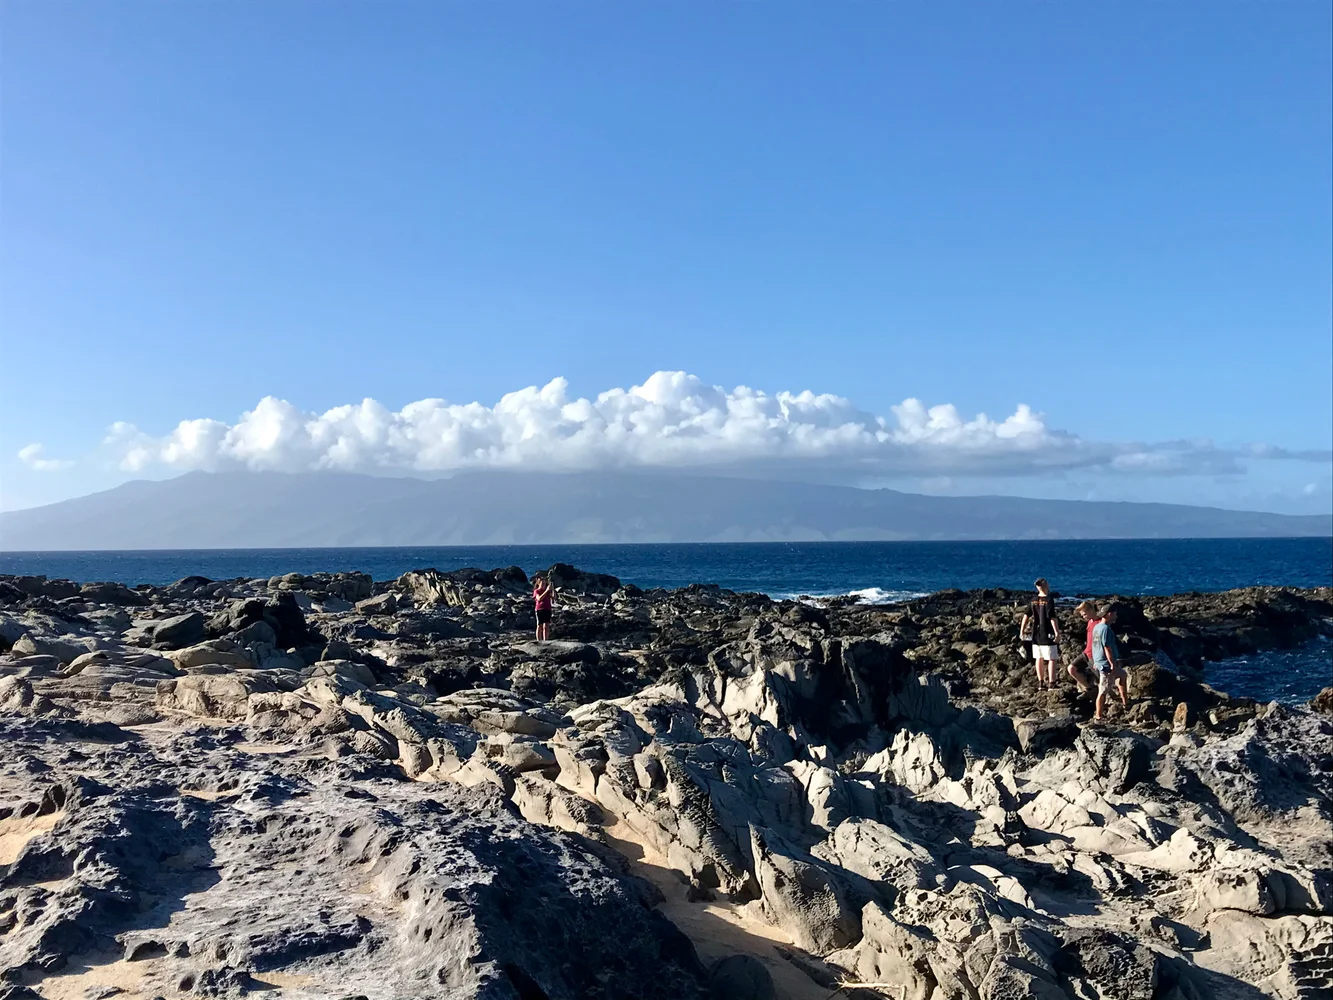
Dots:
pixel 878 572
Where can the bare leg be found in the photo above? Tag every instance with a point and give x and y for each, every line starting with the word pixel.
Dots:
pixel 1077 675
pixel 1122 689
pixel 1101 706
pixel 1041 677
pixel 1050 673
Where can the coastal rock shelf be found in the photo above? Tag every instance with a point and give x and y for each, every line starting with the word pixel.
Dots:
pixel 326 786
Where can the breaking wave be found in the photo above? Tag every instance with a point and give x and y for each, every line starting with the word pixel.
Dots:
pixel 877 595
pixel 867 595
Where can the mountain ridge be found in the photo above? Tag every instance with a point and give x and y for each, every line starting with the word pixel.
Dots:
pixel 275 509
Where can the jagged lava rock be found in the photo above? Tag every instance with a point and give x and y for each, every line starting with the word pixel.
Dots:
pixel 412 798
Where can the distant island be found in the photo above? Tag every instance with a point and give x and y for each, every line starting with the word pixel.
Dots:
pixel 271 509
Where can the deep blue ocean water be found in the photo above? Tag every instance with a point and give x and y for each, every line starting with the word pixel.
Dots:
pixel 879 571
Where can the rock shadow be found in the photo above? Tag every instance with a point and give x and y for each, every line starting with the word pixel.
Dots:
pixel 105 879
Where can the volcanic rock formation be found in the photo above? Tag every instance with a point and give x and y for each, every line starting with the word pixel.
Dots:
pixel 324 786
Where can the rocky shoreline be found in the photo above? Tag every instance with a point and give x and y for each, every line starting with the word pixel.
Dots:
pixel 328 786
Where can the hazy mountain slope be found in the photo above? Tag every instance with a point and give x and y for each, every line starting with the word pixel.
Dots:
pixel 255 510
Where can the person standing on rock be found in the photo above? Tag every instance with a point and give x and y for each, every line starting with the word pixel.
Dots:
pixel 1106 658
pixel 543 595
pixel 1080 668
pixel 1045 634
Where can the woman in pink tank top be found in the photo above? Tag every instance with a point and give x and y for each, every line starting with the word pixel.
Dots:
pixel 542 598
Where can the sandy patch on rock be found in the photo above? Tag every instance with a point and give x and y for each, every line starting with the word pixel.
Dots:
pixel 265 748
pixel 15 833
pixel 717 928
pixel 128 977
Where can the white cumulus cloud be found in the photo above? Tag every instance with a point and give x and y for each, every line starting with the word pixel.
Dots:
pixel 672 420
pixel 31 456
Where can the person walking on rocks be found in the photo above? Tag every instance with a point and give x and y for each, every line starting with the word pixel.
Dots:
pixel 1106 658
pixel 1080 667
pixel 543 595
pixel 1045 634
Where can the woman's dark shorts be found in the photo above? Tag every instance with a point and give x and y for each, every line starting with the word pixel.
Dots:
pixel 543 616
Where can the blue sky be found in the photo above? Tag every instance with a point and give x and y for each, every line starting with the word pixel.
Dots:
pixel 1118 215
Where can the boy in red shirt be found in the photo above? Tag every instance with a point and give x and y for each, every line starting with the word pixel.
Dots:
pixel 1080 668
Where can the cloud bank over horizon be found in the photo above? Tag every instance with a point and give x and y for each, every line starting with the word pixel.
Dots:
pixel 672 420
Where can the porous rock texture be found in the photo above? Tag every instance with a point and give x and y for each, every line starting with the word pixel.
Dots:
pixel 323 786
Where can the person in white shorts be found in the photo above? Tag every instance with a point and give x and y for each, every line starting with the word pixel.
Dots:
pixel 1045 634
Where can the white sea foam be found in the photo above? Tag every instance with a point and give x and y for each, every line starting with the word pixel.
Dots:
pixel 867 595
pixel 877 595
